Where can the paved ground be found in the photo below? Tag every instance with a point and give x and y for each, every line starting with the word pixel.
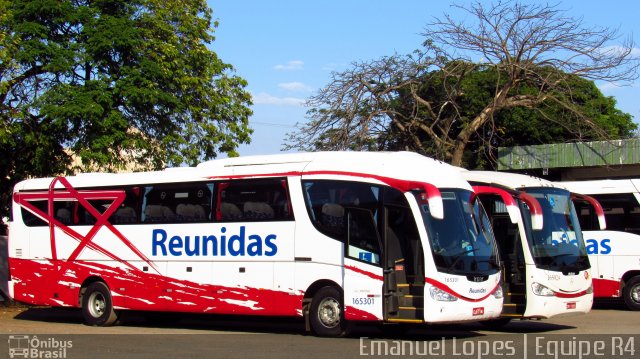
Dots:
pixel 215 336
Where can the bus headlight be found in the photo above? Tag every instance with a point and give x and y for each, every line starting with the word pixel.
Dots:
pixel 498 292
pixel 440 295
pixel 541 290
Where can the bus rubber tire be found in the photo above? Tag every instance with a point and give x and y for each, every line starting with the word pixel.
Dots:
pixel 326 315
pixel 97 306
pixel 631 293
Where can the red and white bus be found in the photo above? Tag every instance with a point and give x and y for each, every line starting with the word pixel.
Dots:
pixel 546 267
pixel 614 252
pixel 334 237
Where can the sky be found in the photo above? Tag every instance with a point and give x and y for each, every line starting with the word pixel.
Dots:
pixel 288 49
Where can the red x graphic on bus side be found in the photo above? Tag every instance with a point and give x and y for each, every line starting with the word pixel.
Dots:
pixel 82 197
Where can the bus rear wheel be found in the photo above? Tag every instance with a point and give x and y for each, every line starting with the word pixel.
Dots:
pixel 97 306
pixel 326 314
pixel 631 293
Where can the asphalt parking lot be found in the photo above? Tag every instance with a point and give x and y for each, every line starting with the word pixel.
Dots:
pixel 242 337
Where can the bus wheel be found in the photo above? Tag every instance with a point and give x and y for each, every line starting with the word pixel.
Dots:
pixel 326 315
pixel 631 293
pixel 97 307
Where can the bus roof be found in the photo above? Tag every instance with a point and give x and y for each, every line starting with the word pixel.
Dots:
pixel 398 165
pixel 508 180
pixel 604 186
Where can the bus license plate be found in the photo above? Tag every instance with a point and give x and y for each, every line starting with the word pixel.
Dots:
pixel 478 311
pixel 571 305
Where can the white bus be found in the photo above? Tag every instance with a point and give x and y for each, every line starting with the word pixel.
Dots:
pixel 333 237
pixel 615 252
pixel 545 262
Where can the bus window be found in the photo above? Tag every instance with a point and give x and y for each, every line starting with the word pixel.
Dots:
pixel 328 203
pixel 30 219
pixel 363 241
pixel 63 211
pixel 177 203
pixel 622 212
pixel 253 200
pixel 127 213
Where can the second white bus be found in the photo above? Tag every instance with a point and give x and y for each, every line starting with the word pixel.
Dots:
pixel 546 267
pixel 334 237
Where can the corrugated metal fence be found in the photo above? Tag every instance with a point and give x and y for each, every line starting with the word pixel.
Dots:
pixel 579 154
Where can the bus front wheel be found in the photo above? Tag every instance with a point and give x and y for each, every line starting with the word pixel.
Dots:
pixel 97 306
pixel 326 314
pixel 631 293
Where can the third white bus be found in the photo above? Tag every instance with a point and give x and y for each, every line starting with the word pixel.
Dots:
pixel 614 252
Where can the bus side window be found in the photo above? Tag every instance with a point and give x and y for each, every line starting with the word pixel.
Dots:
pixel 30 219
pixel 586 216
pixel 127 212
pixel 66 212
pixel 253 200
pixel 172 203
pixel 362 237
pixel 622 212
pixel 330 202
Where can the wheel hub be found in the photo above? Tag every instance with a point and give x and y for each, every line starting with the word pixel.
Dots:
pixel 329 312
pixel 635 293
pixel 97 304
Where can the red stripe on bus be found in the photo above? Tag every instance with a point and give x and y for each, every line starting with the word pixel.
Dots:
pixel 364 272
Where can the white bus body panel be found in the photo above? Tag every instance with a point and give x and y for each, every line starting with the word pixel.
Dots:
pixel 613 254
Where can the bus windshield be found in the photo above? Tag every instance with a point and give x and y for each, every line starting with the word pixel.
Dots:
pixel 559 245
pixel 462 242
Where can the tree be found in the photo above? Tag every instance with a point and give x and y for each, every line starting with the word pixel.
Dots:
pixel 531 56
pixel 111 81
pixel 548 122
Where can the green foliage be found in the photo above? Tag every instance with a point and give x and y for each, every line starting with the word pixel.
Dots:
pixel 115 82
pixel 574 110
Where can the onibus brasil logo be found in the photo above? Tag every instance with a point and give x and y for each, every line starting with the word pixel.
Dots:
pixel 25 346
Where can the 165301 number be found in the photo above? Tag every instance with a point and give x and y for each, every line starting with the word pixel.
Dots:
pixel 363 301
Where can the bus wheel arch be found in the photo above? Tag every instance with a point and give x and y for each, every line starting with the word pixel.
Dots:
pixel 96 303
pixel 323 309
pixel 631 290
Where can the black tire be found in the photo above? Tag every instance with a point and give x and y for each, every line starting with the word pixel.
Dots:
pixel 97 306
pixel 326 314
pixel 631 293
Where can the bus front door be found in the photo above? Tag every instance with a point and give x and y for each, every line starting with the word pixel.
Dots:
pixel 403 267
pixel 512 257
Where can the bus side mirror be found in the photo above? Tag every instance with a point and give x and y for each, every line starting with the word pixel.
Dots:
pixel 535 209
pixel 596 205
pixel 436 207
pixel 432 193
pixel 507 198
